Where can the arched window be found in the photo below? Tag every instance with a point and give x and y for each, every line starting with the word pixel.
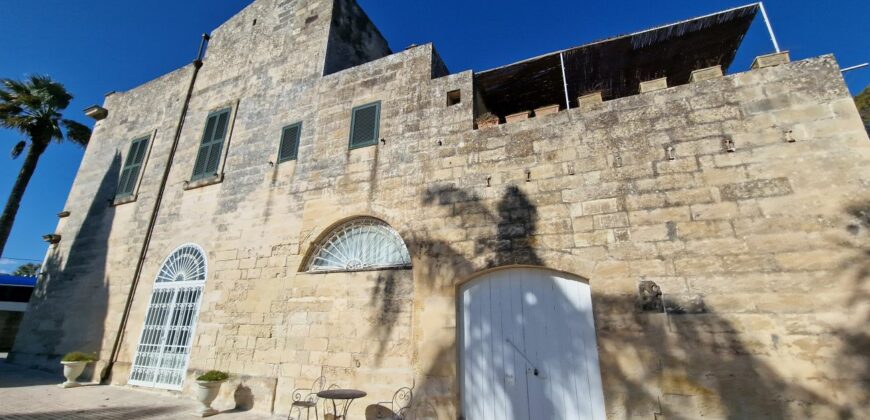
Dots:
pixel 360 244
pixel 167 333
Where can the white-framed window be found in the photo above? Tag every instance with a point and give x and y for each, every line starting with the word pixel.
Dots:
pixel 360 244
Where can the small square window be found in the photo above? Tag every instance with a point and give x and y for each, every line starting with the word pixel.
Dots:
pixel 454 97
pixel 365 125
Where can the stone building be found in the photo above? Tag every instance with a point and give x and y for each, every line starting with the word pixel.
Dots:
pixel 612 230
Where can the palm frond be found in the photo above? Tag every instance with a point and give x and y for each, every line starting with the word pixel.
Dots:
pixel 15 87
pixel 54 95
pixel 19 94
pixel 17 122
pixel 76 132
pixel 9 109
pixel 18 148
pixel 33 106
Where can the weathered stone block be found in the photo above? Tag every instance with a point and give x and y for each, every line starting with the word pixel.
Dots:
pixel 755 189
pixel 770 60
pixel 606 205
pixel 706 74
pixel 613 220
pixel 590 101
pixel 654 85
pixel 684 304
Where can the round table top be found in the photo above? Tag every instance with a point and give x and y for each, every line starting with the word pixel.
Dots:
pixel 341 394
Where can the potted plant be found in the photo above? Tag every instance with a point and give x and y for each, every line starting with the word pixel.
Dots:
pixel 208 385
pixel 74 364
pixel 486 120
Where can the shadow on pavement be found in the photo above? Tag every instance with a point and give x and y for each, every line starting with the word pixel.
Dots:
pixel 12 376
pixel 126 413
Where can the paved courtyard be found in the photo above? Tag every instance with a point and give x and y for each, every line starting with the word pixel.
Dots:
pixel 31 394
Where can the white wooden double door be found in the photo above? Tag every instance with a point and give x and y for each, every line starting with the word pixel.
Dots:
pixel 527 348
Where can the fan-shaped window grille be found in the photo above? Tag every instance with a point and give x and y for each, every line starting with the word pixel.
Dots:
pixel 360 244
pixel 185 264
pixel 167 333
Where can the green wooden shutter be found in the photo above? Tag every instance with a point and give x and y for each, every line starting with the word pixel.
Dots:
pixel 132 166
pixel 289 147
pixel 364 125
pixel 209 156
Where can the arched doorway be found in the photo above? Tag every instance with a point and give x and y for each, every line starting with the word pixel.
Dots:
pixel 164 345
pixel 527 347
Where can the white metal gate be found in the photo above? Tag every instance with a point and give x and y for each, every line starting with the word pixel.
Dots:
pixel 164 345
pixel 527 348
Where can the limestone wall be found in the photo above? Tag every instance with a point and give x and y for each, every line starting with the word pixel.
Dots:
pixel 757 251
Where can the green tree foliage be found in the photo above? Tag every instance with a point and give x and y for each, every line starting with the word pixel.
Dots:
pixel 33 107
pixel 863 103
pixel 28 269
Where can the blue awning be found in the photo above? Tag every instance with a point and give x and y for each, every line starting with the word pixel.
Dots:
pixel 10 280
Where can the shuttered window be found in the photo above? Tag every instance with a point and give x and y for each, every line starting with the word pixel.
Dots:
pixel 132 167
pixel 289 142
pixel 364 125
pixel 209 157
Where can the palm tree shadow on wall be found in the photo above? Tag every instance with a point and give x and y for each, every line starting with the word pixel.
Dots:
pixel 69 307
pixel 651 363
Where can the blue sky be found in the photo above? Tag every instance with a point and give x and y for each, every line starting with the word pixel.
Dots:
pixel 102 45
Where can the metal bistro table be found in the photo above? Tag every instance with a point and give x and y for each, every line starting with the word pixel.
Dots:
pixel 346 395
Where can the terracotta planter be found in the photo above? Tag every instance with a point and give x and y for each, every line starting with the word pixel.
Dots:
pixel 71 371
pixel 546 110
pixel 519 116
pixel 206 392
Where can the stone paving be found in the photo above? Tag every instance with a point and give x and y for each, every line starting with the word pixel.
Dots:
pixel 31 394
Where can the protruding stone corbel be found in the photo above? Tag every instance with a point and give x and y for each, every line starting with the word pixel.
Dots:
pixel 96 112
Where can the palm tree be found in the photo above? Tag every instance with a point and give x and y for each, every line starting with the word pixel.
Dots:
pixel 33 107
pixel 29 269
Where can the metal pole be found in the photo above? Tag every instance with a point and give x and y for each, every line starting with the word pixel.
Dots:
pixel 769 28
pixel 564 81
pixel 859 66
